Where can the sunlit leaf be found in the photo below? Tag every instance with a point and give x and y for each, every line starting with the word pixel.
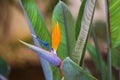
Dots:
pixel 115 22
pixel 78 54
pixel 79 18
pixel 37 27
pixel 72 71
pixel 114 11
pixel 36 19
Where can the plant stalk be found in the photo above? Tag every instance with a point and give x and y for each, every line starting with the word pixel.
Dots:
pixel 119 74
pixel 102 75
pixel 108 42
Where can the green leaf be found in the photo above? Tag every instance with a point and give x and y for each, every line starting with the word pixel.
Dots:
pixel 36 20
pixel 56 73
pixel 80 47
pixel 115 31
pixel 4 68
pixel 37 27
pixel 114 11
pixel 98 55
pixel 94 57
pixel 115 54
pixel 79 18
pixel 72 71
pixel 63 16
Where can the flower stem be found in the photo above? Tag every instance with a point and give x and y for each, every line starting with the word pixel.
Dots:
pixel 119 74
pixel 108 42
pixel 98 55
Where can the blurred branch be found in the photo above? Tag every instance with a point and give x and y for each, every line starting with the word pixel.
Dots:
pixel 108 42
pixel 102 74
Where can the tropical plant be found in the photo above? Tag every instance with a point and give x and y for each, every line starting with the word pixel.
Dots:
pixel 62 52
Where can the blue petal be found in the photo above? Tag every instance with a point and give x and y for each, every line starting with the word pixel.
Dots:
pixel 42 42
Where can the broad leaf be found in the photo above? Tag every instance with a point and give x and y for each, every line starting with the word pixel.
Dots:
pixel 115 31
pixel 66 23
pixel 115 22
pixel 72 71
pixel 37 27
pixel 4 68
pixel 78 54
pixel 63 17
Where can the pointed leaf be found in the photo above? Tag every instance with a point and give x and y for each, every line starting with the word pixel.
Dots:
pixel 79 19
pixel 78 54
pixel 34 16
pixel 37 27
pixel 72 71
pixel 52 58
pixel 65 20
pixel 115 22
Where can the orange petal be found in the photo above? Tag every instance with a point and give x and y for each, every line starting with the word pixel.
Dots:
pixel 55 36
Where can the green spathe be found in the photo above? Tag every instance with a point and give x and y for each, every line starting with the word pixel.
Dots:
pixel 73 72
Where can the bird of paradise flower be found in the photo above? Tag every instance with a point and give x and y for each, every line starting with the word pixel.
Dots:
pixel 50 54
